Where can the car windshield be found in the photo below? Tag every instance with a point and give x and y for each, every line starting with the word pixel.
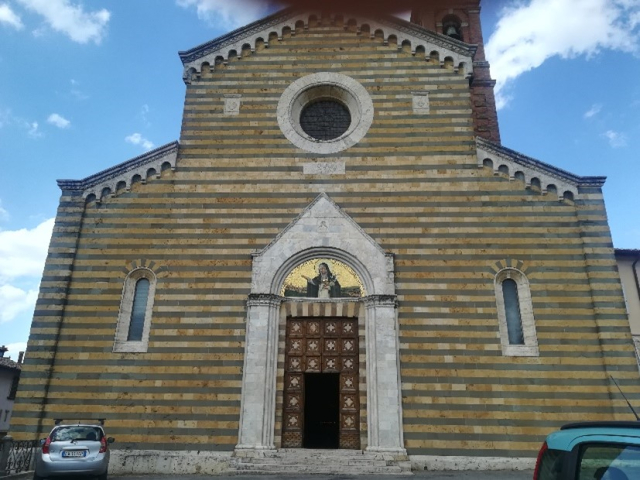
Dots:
pixel 75 433
pixel 609 462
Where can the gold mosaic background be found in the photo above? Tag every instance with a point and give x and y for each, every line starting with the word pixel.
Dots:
pixel 296 286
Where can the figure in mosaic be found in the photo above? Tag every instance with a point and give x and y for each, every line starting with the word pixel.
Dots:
pixel 324 285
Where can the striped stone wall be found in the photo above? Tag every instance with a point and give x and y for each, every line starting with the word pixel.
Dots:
pixel 412 184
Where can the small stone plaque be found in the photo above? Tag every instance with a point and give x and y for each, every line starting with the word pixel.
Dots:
pixel 323 168
pixel 421 103
pixel 232 104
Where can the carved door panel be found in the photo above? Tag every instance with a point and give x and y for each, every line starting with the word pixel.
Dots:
pixel 293 400
pixel 349 395
pixel 325 345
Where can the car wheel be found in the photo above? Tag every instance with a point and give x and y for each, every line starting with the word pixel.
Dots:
pixel 37 477
pixel 103 476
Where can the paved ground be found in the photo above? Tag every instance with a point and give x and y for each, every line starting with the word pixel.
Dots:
pixel 523 475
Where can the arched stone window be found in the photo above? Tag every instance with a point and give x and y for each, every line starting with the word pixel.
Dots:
pixel 134 319
pixel 515 314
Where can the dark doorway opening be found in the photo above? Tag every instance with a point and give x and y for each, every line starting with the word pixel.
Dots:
pixel 321 410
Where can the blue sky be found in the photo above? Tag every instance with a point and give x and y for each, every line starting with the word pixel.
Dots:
pixel 87 84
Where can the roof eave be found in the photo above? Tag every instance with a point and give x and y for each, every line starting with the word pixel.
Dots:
pixel 577 180
pixel 104 175
pixel 193 54
pixel 627 252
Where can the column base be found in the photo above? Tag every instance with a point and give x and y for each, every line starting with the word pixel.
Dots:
pixel 254 451
pixel 388 450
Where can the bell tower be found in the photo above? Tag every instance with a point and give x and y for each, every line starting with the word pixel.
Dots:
pixel 460 19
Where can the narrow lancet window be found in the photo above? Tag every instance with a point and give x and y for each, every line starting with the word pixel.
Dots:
pixel 138 312
pixel 512 311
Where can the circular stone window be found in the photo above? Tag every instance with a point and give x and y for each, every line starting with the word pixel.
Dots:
pixel 325 112
pixel 325 119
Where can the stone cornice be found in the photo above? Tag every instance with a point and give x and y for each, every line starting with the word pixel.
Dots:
pixel 532 168
pixel 444 41
pixel 231 38
pixel 124 172
pixel 222 47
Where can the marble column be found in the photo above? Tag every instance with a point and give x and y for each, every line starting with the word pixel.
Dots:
pixel 258 400
pixel 384 399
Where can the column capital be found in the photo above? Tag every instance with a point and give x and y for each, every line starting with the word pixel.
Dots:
pixel 264 299
pixel 381 301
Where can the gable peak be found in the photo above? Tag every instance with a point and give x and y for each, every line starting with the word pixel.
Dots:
pixel 293 21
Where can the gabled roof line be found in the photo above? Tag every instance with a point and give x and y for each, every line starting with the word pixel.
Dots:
pixel 439 39
pixel 120 169
pixel 305 211
pixel 540 166
pixel 229 38
pixel 193 54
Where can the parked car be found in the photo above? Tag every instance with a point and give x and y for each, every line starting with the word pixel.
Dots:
pixel 591 451
pixel 74 450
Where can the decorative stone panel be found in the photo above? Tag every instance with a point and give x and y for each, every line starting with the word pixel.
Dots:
pixel 324 168
pixel 232 104
pixel 421 104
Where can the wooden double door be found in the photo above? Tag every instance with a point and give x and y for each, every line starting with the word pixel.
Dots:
pixel 321 399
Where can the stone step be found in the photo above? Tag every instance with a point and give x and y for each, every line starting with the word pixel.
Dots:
pixel 315 461
pixel 349 462
pixel 320 469
pixel 303 452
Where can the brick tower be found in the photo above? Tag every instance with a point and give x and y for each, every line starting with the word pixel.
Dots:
pixel 460 19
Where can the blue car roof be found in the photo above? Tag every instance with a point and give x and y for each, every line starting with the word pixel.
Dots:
pixel 569 435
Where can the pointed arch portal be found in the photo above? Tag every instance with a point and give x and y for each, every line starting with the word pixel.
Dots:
pixel 322 230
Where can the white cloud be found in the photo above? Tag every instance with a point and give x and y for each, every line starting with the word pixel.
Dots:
pixel 137 139
pixel 528 33
pixel 22 257
pixel 616 139
pixel 71 19
pixel 9 17
pixel 58 120
pixel 33 130
pixel 15 349
pixel 593 111
pixel 15 301
pixel 223 13
pixel 23 252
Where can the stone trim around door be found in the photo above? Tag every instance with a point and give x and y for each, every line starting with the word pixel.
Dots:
pixel 263 375
pixel 304 239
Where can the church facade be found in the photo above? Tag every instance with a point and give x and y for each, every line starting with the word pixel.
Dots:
pixel 339 254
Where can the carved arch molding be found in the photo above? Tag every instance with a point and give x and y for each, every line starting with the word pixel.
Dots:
pixel 304 239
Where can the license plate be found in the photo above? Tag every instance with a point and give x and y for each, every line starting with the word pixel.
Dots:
pixel 76 453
